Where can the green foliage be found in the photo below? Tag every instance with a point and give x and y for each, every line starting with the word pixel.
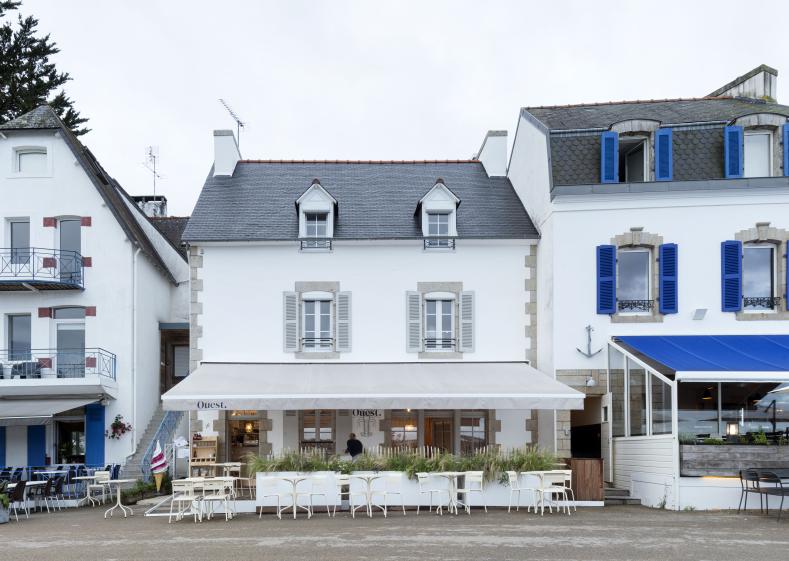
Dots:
pixel 760 438
pixel 5 502
pixel 492 463
pixel 141 489
pixel 28 78
pixel 714 441
pixel 687 438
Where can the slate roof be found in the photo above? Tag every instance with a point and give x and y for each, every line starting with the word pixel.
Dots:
pixel 376 200
pixel 669 111
pixel 172 228
pixel 42 117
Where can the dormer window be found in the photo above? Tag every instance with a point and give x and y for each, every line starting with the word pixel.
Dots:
pixel 757 153
pixel 632 159
pixel 437 211
pixel 317 214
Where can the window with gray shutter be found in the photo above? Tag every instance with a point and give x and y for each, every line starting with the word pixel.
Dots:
pixel 343 340
pixel 290 307
pixel 466 322
pixel 413 304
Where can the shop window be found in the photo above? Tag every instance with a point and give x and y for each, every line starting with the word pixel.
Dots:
pixel 697 405
pixel 637 403
pixel 661 406
pixel 317 429
pixel 633 278
pixel 473 432
pixel 757 154
pixel 71 442
pixel 243 435
pixel 404 430
pixel 758 277
pixel 753 408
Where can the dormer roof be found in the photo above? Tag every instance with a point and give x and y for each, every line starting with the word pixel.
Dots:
pixel 316 187
pixel 439 186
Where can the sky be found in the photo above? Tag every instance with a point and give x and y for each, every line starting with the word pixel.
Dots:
pixel 375 79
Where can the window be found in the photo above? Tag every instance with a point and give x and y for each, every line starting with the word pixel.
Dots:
pixel 317 429
pixel 438 225
pixel 616 385
pixel 637 403
pixel 661 406
pixel 31 161
pixel 697 409
pixel 70 342
pixel 633 290
pixel 70 248
pixel 20 242
pixel 632 159
pixel 404 429
pixel 19 337
pixel 757 157
pixel 758 277
pixel 315 224
pixel 473 433
pixel 439 325
pixel 180 361
pixel 317 325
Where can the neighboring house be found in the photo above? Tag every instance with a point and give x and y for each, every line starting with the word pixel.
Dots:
pixel 659 219
pixel 390 299
pixel 86 281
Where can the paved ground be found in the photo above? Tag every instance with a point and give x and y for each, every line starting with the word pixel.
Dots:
pixel 610 534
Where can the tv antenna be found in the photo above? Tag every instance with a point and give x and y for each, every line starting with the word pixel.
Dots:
pixel 239 123
pixel 150 163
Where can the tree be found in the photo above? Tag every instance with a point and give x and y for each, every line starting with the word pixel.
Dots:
pixel 27 76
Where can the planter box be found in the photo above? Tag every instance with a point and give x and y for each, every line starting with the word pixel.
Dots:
pixel 5 515
pixel 729 459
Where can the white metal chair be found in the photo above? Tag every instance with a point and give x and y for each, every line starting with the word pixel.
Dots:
pixel 271 487
pixel 343 489
pixel 473 482
pixel 424 482
pixel 319 487
pixel 183 493
pixel 553 486
pixel 568 487
pixel 516 488
pixel 100 486
pixel 215 491
pixel 392 486
pixel 358 488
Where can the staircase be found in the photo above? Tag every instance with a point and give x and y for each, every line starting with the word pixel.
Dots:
pixel 161 426
pixel 614 497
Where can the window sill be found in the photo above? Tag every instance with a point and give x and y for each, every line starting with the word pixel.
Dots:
pixel 636 318
pixel 762 316
pixel 317 355
pixel 440 355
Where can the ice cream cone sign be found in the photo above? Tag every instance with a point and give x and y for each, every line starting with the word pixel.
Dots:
pixel 158 466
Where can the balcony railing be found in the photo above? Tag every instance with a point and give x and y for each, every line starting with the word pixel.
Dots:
pixel 315 243
pixel 635 305
pixel 42 268
pixel 317 343
pixel 761 302
pixel 439 243
pixel 56 363
pixel 434 344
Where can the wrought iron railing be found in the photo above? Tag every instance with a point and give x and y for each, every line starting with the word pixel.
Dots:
pixel 316 243
pixel 439 243
pixel 761 302
pixel 317 343
pixel 56 363
pixel 34 264
pixel 164 434
pixel 635 305
pixel 439 344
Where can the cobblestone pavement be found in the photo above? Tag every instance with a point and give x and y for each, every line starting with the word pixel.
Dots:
pixel 592 534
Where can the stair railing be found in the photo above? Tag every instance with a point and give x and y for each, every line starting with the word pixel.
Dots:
pixel 164 434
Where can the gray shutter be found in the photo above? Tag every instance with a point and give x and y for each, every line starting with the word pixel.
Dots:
pixel 413 305
pixel 466 322
pixel 290 307
pixel 343 341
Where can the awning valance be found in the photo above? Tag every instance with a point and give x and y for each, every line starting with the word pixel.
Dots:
pixel 35 411
pixel 434 385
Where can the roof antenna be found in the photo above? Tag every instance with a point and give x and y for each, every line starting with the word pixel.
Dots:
pixel 151 159
pixel 239 123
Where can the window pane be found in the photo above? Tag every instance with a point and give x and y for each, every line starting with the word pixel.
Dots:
pixel 757 277
pixel 71 350
pixel 180 361
pixel 404 429
pixel 473 435
pixel 315 224
pixel 661 406
pixel 616 380
pixel 633 275
pixel 19 337
pixel 757 155
pixel 308 422
pixel 438 224
pixel 32 162
pixel 638 399
pixel 20 242
pixel 753 408
pixel 697 413
pixel 70 313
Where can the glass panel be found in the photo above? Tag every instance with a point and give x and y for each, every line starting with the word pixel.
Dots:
pixel 71 442
pixel 19 337
pixel 757 278
pixel 446 324
pixel 753 409
pixel 33 161
pixel 697 405
pixel 404 429
pixel 633 275
pixel 181 361
pixel 70 248
pixel 243 439
pixel 661 406
pixel 308 420
pixel 473 435
pixel 438 224
pixel 315 224
pixel 616 380
pixel 70 313
pixel 71 350
pixel 326 430
pixel 637 401
pixel 757 155
pixel 20 242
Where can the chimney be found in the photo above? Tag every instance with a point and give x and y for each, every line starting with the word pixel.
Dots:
pixel 153 206
pixel 493 153
pixel 226 154
pixel 759 83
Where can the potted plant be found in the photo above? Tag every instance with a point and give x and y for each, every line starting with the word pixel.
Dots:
pixel 5 503
pixel 118 428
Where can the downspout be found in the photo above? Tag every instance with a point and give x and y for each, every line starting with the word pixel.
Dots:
pixel 134 348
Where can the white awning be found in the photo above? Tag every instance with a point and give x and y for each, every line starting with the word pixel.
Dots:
pixel 402 385
pixel 35 411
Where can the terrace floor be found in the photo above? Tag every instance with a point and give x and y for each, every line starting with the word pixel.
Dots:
pixel 591 534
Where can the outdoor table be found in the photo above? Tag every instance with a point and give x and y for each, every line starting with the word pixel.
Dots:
pixel 85 478
pixel 452 478
pixel 27 487
pixel 368 479
pixel 50 472
pixel 118 483
pixel 294 481
pixel 541 489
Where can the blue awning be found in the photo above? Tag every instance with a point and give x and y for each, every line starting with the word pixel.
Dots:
pixel 701 356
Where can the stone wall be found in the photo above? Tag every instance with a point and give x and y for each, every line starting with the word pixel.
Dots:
pixel 576 379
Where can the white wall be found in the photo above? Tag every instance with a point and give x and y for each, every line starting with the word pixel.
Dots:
pixel 643 465
pixel 513 428
pixel 16 446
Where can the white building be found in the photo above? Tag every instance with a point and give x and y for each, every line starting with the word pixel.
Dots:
pixel 389 299
pixel 662 218
pixel 86 282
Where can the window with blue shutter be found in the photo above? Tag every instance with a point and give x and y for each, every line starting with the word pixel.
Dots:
pixel 606 279
pixel 731 276
pixel 664 165
pixel 732 151
pixel 609 157
pixel 668 282
pixel 786 149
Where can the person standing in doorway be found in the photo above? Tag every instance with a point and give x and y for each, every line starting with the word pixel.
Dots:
pixel 354 446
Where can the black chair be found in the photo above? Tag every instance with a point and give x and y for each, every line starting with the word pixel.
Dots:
pixel 17 475
pixel 777 488
pixel 749 482
pixel 5 475
pixel 43 493
pixel 17 497
pixel 26 370
pixel 57 492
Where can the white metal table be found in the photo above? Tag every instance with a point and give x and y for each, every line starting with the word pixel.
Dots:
pixel 85 478
pixel 294 481
pixel 452 478
pixel 368 479
pixel 118 483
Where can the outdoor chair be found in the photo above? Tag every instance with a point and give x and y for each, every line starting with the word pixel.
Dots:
pixel 473 482
pixel 5 475
pixel 18 498
pixel 554 487
pixel 43 493
pixel 271 488
pixel 17 475
pixel 183 494
pixel 423 481
pixel 568 487
pixel 516 489
pixel 215 491
pixel 343 486
pixel 777 489
pixel 749 483
pixel 392 487
pixel 319 487
pixel 57 491
pixel 358 488
pixel 99 487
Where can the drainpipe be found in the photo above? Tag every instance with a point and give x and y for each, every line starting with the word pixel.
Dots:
pixel 134 349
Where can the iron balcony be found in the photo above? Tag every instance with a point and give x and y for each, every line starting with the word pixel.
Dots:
pixel 34 268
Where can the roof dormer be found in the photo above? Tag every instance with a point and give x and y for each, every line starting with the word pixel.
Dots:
pixel 317 210
pixel 437 212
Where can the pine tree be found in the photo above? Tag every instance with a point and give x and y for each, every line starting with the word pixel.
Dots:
pixel 27 76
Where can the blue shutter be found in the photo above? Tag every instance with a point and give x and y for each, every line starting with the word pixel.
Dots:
pixel 664 164
pixel 731 276
pixel 609 157
pixel 36 445
pixel 668 262
pixel 2 447
pixel 606 279
pixel 732 151
pixel 94 435
pixel 786 149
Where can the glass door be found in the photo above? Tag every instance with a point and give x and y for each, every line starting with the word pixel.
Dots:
pixel 20 244
pixel 70 342
pixel 70 248
pixel 438 431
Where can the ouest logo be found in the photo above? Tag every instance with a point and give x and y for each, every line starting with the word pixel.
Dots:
pixel 211 405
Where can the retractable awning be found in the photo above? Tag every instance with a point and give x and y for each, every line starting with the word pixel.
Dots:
pixel 435 385
pixel 735 358
pixel 35 411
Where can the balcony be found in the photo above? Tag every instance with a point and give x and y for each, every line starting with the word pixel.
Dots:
pixel 439 243
pixel 48 372
pixel 761 302
pixel 315 244
pixel 40 269
pixel 635 305
pixel 434 344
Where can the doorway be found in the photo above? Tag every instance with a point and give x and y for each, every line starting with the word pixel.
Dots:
pixel 70 249
pixel 438 430
pixel 70 442
pixel 586 429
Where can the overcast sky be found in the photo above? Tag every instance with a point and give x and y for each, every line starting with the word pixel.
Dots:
pixel 375 80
